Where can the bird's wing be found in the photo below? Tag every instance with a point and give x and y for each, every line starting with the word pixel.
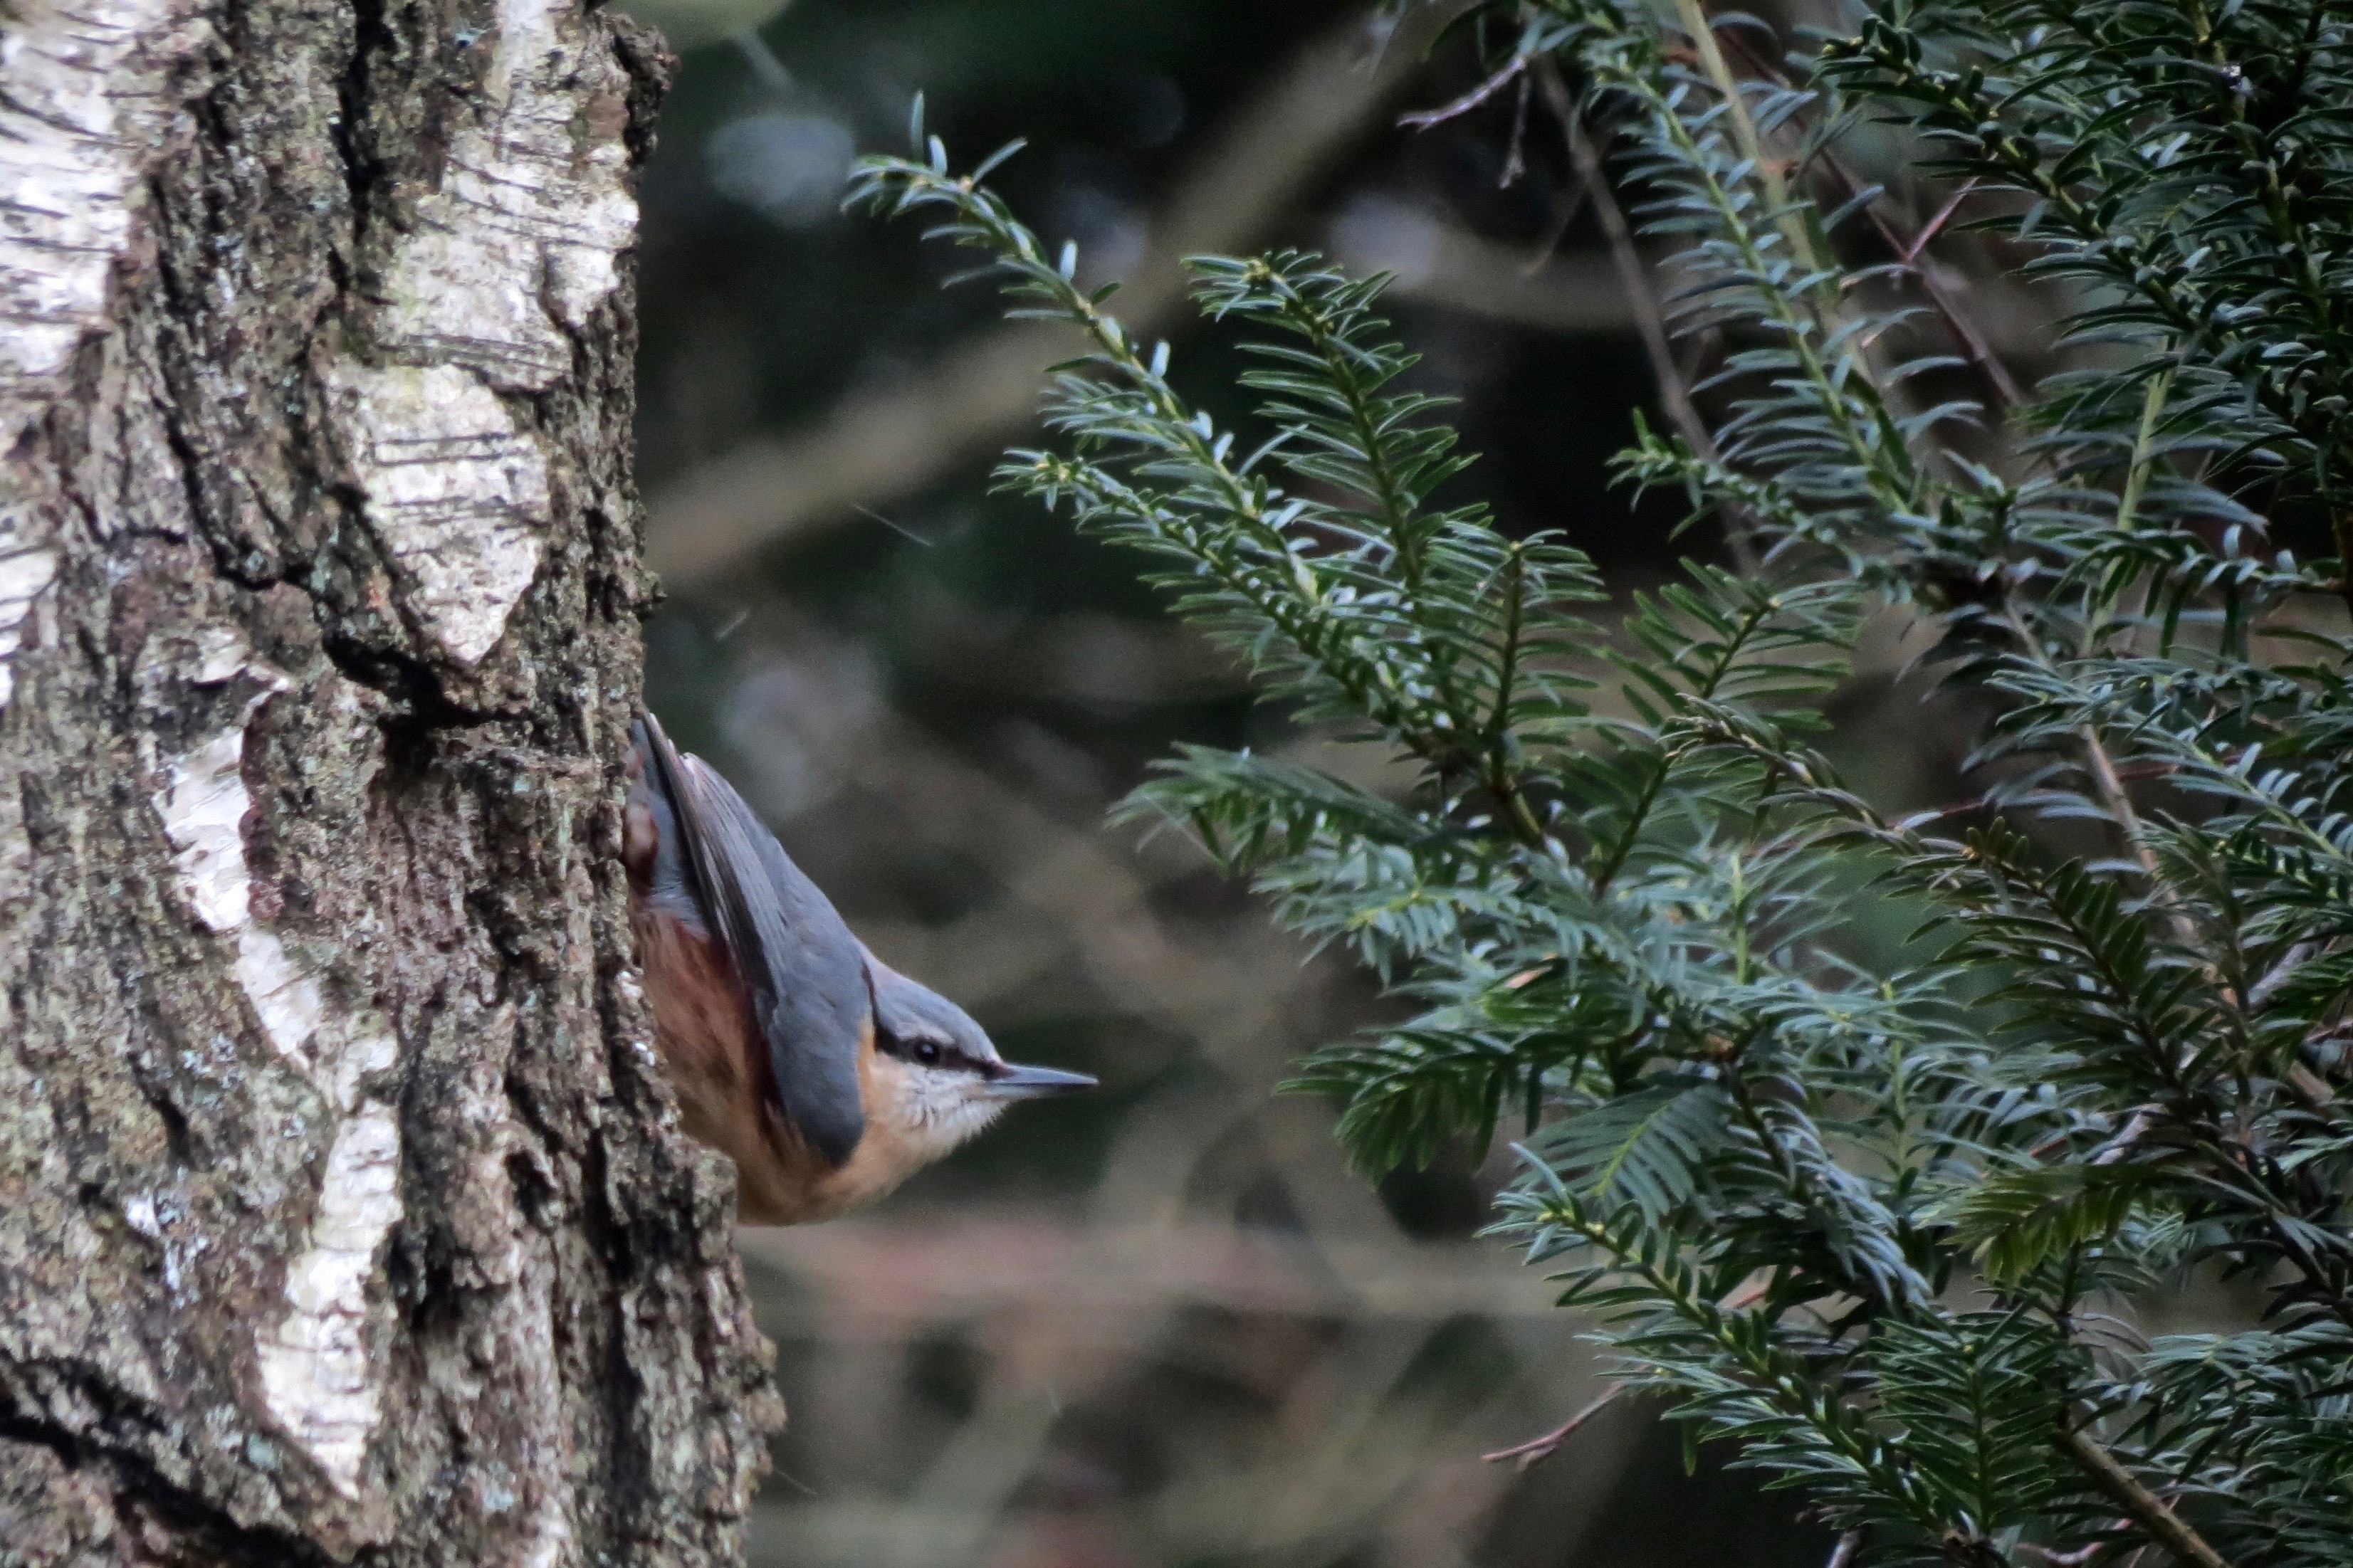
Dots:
pixel 788 945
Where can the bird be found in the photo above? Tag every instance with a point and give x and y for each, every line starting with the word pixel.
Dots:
pixel 825 1074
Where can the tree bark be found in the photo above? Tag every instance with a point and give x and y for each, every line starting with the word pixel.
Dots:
pixel 342 1214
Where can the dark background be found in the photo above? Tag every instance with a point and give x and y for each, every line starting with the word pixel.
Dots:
pixel 1160 1324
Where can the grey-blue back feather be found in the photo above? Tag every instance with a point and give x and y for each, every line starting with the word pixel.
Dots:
pixel 789 946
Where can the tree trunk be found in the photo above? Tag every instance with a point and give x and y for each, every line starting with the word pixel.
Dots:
pixel 342 1210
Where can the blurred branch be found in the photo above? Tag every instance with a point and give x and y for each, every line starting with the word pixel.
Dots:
pixel 1539 1448
pixel 1066 1312
pixel 2044 1557
pixel 1940 290
pixel 901 1278
pixel 1423 119
pixel 1478 277
pixel 1633 275
pixel 881 443
pixel 964 1495
pixel 1357 1450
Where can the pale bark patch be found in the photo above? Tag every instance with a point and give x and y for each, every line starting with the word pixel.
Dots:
pixel 84 115
pixel 26 565
pixel 84 111
pixel 315 1371
pixel 516 249
pixel 458 494
pixel 204 804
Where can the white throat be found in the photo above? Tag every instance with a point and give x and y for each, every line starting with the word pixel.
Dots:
pixel 945 1105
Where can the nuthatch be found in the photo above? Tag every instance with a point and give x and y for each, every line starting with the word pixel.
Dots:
pixel 828 1077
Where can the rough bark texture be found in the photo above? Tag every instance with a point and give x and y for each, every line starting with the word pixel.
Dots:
pixel 341 1213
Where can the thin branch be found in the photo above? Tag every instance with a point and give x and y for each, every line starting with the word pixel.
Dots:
pixel 1843 1553
pixel 2043 1557
pixel 2342 524
pixel 1633 275
pixel 2142 1506
pixel 1935 225
pixel 2143 445
pixel 1975 346
pixel 1515 160
pixel 1423 119
pixel 2310 1086
pixel 2119 806
pixel 764 61
pixel 2105 782
pixel 1701 30
pixel 1535 1450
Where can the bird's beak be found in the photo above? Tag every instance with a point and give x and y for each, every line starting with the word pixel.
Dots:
pixel 1017 1082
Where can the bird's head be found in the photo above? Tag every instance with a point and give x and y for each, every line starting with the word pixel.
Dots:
pixel 943 1079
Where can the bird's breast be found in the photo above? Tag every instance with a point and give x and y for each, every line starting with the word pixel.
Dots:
pixel 718 1067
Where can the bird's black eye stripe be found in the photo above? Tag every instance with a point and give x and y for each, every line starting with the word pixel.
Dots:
pixel 925 1051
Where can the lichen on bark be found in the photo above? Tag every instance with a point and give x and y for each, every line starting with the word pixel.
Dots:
pixel 342 1211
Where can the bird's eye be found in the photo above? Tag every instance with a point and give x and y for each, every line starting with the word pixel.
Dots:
pixel 927 1052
